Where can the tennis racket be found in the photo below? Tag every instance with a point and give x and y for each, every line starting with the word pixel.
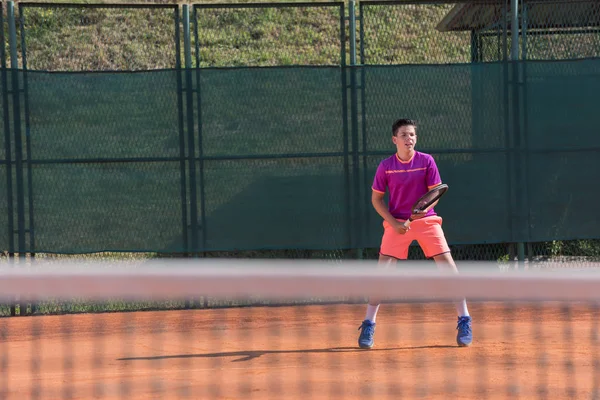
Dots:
pixel 425 203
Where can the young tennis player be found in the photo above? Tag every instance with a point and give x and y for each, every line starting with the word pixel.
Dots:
pixel 408 175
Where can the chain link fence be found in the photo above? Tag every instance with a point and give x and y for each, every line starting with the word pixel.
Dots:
pixel 98 37
pixel 277 68
pixel 245 37
pixel 556 30
pixel 396 33
pixel 417 33
pixel 255 35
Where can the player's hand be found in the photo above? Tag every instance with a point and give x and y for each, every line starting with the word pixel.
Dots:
pixel 418 215
pixel 400 228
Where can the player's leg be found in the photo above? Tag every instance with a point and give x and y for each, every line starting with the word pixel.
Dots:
pixel 445 262
pixel 432 240
pixel 373 306
pixel 367 328
pixel 464 336
pixel 394 246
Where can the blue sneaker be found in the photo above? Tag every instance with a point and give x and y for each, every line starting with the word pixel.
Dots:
pixel 464 337
pixel 367 330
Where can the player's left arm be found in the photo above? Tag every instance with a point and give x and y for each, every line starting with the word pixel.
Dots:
pixel 432 179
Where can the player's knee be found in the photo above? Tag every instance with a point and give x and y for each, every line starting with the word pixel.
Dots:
pixel 386 260
pixel 444 259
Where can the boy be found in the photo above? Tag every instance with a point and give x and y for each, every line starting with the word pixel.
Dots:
pixel 408 175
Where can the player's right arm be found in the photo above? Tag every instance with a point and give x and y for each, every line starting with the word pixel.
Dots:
pixel 379 187
pixel 382 209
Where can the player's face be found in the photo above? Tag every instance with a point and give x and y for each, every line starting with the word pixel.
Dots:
pixel 405 139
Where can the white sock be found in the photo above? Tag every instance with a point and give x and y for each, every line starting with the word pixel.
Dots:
pixel 461 308
pixel 372 312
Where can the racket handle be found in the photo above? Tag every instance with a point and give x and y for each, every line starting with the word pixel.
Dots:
pixel 407 223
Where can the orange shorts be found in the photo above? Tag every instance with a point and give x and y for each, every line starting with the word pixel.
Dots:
pixel 426 231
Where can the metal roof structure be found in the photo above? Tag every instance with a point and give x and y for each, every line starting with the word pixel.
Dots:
pixel 541 14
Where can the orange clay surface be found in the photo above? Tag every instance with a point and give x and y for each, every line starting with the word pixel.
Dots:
pixel 306 352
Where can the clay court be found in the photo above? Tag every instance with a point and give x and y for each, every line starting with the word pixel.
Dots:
pixel 303 352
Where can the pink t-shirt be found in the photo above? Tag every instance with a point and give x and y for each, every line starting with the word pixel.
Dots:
pixel 406 181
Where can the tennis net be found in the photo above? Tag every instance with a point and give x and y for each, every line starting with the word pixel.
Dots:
pixel 289 329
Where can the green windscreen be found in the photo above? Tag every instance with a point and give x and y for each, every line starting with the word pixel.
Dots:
pixel 278 163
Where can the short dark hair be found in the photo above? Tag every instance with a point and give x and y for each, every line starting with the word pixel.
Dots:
pixel 403 122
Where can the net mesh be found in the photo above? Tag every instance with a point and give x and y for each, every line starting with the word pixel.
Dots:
pixel 535 332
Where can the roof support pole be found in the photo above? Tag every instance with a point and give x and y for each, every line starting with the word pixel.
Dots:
pixel 514 49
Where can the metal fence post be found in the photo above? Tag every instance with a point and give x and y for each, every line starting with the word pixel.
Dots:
pixel 16 90
pixel 514 56
pixel 8 155
pixel 29 158
pixel 525 142
pixel 344 86
pixel 358 229
pixel 189 100
pixel 363 109
pixel 14 64
pixel 201 180
pixel 180 123
pixel 7 145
